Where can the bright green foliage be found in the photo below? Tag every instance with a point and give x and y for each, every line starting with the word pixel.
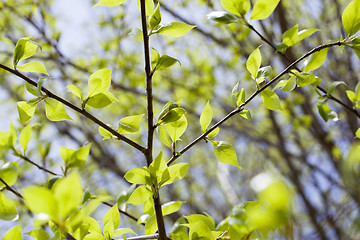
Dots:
pixel 55 110
pixel 109 3
pixel 354 96
pixel 139 175
pixel 222 17
pixel 13 234
pixel 202 227
pixel 225 153
pixel 101 100
pixel 34 90
pixel 206 117
pixel 39 234
pixel 136 34
pixel 74 90
pixel 8 138
pixel 25 136
pixel 120 232
pixel 157 168
pixel 271 100
pixel 105 133
pixel 164 137
pixel 326 113
pixel 7 208
pixel 171 207
pixel 253 63
pixel 149 7
pixel 316 60
pixel 177 172
pixel 111 221
pixel 74 158
pixel 334 85
pixel 33 67
pixel 26 110
pixel 171 112
pixel 130 124
pixel 293 36
pixel 9 173
pixel 351 18
pixel 357 134
pixel 160 62
pixel 245 114
pixel 41 200
pixel 24 49
pixel 287 85
pixel 263 8
pixel 174 29
pixel 155 18
pixel 304 79
pixel 237 7
pixel 140 195
pixel 177 128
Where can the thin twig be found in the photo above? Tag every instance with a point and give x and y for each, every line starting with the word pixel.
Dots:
pixel 37 165
pixel 77 109
pixel 11 189
pixel 257 92
pixel 153 236
pixel 123 212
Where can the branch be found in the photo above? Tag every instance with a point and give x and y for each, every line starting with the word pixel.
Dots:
pixel 77 109
pixel 257 92
pixel 11 189
pixel 287 59
pixel 35 164
pixel 123 212
pixel 154 236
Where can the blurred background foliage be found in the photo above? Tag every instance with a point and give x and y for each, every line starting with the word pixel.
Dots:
pixel 304 171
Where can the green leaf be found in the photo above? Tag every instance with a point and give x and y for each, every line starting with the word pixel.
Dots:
pixel 173 115
pixel 105 133
pixel 34 90
pixel 351 18
pixel 74 90
pixel 287 85
pixel 112 215
pixel 9 173
pixel 176 129
pixel 33 67
pixel 174 29
pixel 25 136
pixel 136 34
pixel 334 85
pixel 237 7
pixel 351 95
pixel 263 8
pixel 155 18
pixel 130 124
pixel 316 60
pixel 149 7
pixel 41 200
pixel 75 158
pixel 140 195
pixel 164 136
pixel 326 113
pixel 139 175
pixel 55 110
pixel 39 234
pixel 150 225
pixel 171 207
pixel 99 82
pixel 68 193
pixel 222 17
pixel 206 117
pixel 165 61
pixel 304 79
pixel 24 49
pixel 94 236
pixel 225 153
pixel 109 3
pixel 101 100
pixel 271 100
pixel 356 49
pixel 245 114
pixel 293 36
pixel 26 110
pixel 7 209
pixel 213 133
pixel 154 58
pixel 357 134
pixel 157 167
pixel 177 172
pixel 13 234
pixel 253 63
pixel 120 232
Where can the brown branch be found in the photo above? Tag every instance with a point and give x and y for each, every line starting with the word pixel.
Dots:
pixel 11 189
pixel 123 212
pixel 35 164
pixel 77 109
pixel 257 92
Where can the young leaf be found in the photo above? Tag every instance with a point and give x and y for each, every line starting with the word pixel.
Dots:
pixel 165 61
pixel 7 208
pixel 109 3
pixel 140 195
pixel 39 234
pixel 13 234
pixel 157 167
pixel 25 136
pixel 41 200
pixel 130 124
pixel 271 100
pixel 177 172
pixel 222 17
pixel 9 173
pixel 351 18
pixel 225 153
pixel 206 117
pixel 136 34
pixel 316 60
pixel 263 8
pixel 55 111
pixel 150 225
pixel 105 133
pixel 245 114
pixel 334 85
pixel 357 134
pixel 101 100
pixel 120 232
pixel 163 135
pixel 174 29
pixel 253 63
pixel 171 207
pixel 112 215
pixel 26 110
pixel 154 58
pixel 155 18
pixel 173 115
pixel 24 49
pixel 326 113
pixel 99 82
pixel 287 85
pixel 76 91
pixel 139 175
pixel 149 7
pixel 304 79
pixel 33 67
pixel 237 7
pixel 75 158
pixel 176 129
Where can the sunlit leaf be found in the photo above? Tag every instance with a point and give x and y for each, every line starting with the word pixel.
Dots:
pixel 99 82
pixel 25 136
pixel 33 67
pixel 112 215
pixel 55 110
pixel 101 100
pixel 237 7
pixel 263 8
pixel 7 208
pixel 351 18
pixel 130 124
pixel 222 17
pixel 316 60
pixel 271 100
pixel 74 90
pixel 9 173
pixel 41 200
pixel 13 234
pixel 176 129
pixel 26 110
pixel 174 29
pixel 171 207
pixel 139 175
pixel 109 3
pixel 206 117
pixel 24 49
pixel 155 18
pixel 253 63
pixel 225 153
pixel 139 196
pixel 149 6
